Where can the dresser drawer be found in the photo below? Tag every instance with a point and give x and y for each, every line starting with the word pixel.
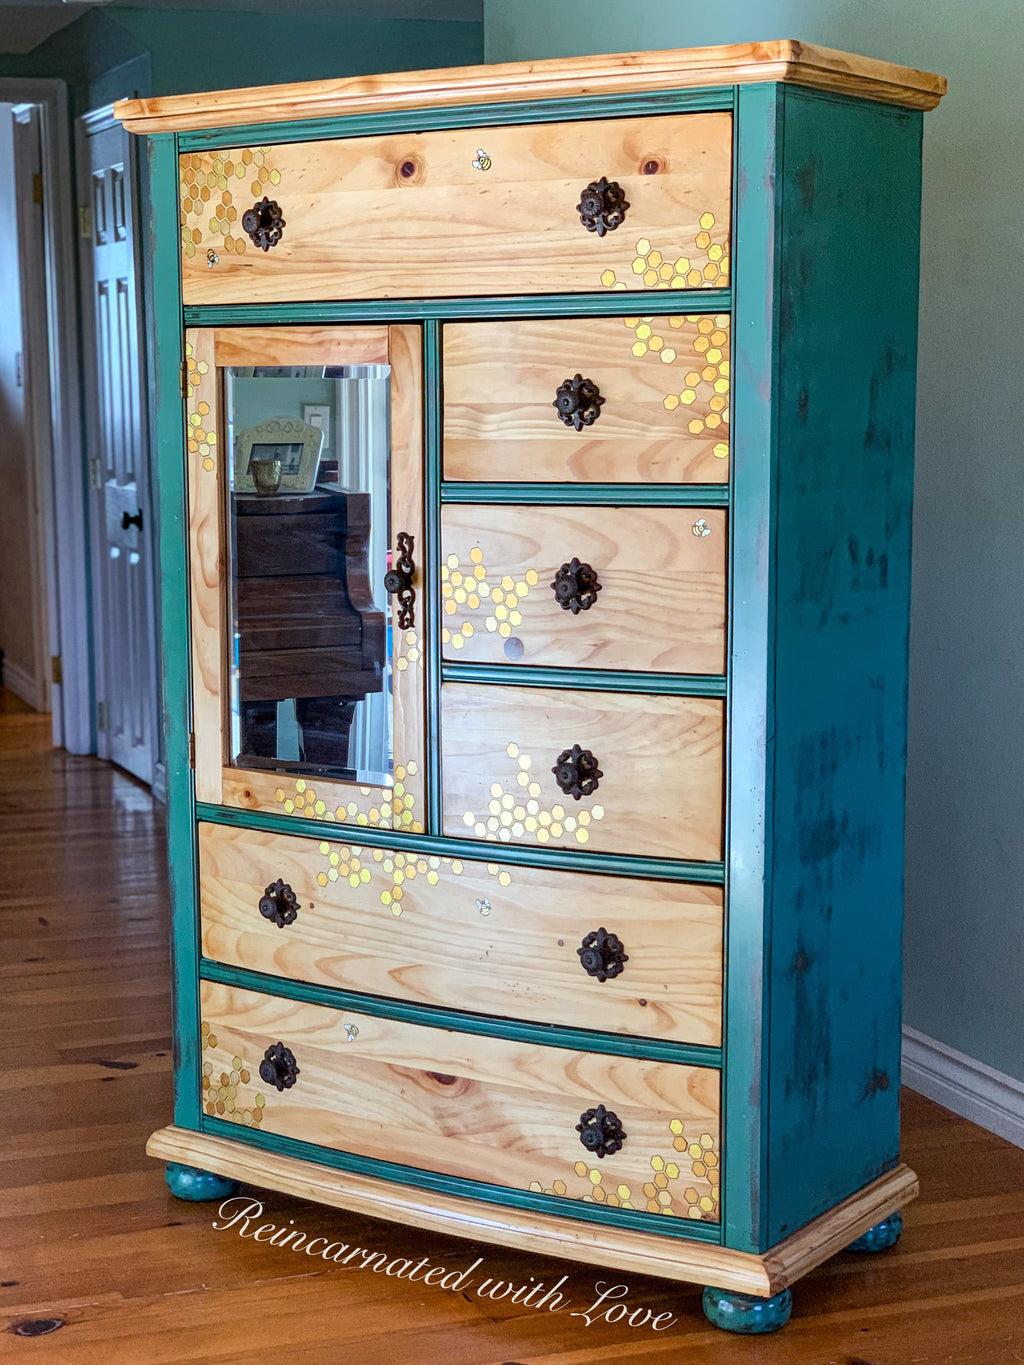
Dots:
pixel 492 939
pixel 461 211
pixel 461 1104
pixel 660 759
pixel 659 603
pixel 663 381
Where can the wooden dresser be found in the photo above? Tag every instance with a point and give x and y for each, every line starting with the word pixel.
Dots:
pixel 582 931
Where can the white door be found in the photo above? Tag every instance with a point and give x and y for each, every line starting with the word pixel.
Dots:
pixel 120 506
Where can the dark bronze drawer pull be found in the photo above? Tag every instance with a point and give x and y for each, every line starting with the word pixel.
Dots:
pixel 600 1131
pixel 278 1067
pixel 264 223
pixel 279 903
pixel 578 402
pixel 576 772
pixel 602 955
pixel 398 580
pixel 576 587
pixel 602 207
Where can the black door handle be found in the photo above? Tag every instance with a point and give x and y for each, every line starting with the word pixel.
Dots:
pixel 127 520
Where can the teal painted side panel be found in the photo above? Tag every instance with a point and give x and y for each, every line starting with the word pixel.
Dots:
pixel 850 190
pixel 169 461
pixel 748 815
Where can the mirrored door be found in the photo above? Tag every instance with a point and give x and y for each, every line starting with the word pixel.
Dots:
pixel 305 463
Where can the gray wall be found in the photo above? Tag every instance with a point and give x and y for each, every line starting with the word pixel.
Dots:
pixel 965 815
pixel 17 638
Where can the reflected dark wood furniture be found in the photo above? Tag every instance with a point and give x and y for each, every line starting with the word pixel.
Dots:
pixel 307 626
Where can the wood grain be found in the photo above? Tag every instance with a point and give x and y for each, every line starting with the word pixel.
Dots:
pixel 797 63
pixel 661 607
pixel 459 1103
pixel 216 780
pixel 657 374
pixel 662 760
pixel 467 935
pixel 408 215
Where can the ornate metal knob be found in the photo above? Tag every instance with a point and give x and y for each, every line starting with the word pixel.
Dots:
pixel 264 223
pixel 398 581
pixel 602 955
pixel 578 402
pixel 279 903
pixel 576 587
pixel 278 1067
pixel 602 207
pixel 576 772
pixel 600 1131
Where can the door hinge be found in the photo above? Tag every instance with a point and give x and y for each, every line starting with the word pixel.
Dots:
pixel 101 716
pixel 85 222
pixel 37 187
pixel 184 379
pixel 57 671
pixel 95 473
pixel 192 749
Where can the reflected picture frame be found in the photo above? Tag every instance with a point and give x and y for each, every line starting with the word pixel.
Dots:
pixel 295 443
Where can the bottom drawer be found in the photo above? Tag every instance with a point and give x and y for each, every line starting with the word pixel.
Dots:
pixel 464 1105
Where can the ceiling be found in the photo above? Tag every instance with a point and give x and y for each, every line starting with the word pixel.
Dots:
pixel 23 26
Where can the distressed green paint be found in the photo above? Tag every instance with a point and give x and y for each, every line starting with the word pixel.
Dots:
pixel 169 491
pixel 611 303
pixel 431 577
pixel 462 1021
pixel 589 494
pixel 501 1195
pixel 468 116
pixel 850 191
pixel 748 818
pixel 616 864
pixel 588 679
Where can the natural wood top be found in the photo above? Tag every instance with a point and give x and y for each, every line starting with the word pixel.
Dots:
pixel 626 72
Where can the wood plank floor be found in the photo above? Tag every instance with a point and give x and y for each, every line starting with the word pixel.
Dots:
pixel 90 1237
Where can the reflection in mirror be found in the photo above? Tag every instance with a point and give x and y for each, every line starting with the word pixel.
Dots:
pixel 309 522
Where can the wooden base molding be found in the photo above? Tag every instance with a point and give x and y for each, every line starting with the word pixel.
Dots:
pixel 645 1253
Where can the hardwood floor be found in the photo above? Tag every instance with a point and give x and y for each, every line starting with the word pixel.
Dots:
pixel 89 1235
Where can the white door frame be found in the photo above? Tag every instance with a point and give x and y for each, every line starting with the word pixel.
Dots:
pixel 66 550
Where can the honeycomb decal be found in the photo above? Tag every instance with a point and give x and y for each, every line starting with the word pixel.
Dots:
pixel 515 810
pixel 216 189
pixel 387 872
pixel 666 1192
pixel 376 807
pixel 202 436
pixel 222 1097
pixel 466 592
pixel 706 267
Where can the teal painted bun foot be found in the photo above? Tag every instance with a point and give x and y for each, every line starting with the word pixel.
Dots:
pixel 881 1237
pixel 744 1313
pixel 189 1182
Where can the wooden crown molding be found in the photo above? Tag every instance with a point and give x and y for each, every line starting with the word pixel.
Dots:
pixel 820 68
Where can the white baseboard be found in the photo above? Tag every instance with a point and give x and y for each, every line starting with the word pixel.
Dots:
pixel 22 684
pixel 977 1092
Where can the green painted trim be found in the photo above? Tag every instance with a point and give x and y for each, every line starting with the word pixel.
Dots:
pixel 462 1021
pixel 617 303
pixel 587 679
pixel 169 493
pixel 465 116
pixel 432 378
pixel 755 336
pixel 682 1228
pixel 474 850
pixel 589 494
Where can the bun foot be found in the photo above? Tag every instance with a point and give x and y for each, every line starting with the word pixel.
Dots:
pixel 881 1237
pixel 746 1314
pixel 189 1182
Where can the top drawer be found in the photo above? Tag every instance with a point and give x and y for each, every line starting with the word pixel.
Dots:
pixel 462 212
